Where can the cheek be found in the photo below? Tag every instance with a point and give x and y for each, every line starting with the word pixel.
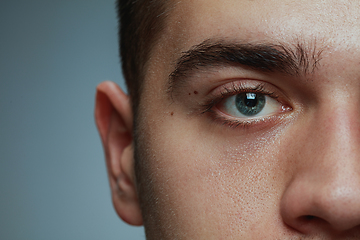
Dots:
pixel 202 177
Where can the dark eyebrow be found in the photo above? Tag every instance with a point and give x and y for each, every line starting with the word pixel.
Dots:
pixel 296 60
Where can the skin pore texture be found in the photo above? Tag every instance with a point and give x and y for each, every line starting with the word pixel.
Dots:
pixel 204 173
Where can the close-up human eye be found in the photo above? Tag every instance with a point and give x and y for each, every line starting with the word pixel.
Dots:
pixel 249 105
pixel 246 103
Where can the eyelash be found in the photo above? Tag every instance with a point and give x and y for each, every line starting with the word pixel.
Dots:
pixel 234 89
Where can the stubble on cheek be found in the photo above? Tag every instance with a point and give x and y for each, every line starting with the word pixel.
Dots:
pixel 194 185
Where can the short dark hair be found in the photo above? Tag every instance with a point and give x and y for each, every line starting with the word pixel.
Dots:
pixel 140 24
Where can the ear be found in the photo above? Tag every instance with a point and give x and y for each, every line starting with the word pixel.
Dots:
pixel 114 118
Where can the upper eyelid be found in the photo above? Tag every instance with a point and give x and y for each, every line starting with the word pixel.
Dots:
pixel 234 87
pixel 258 89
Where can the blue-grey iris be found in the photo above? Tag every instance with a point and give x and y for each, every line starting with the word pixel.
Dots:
pixel 250 104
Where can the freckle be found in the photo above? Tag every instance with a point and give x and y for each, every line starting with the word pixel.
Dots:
pixel 172 113
pixel 195 92
pixel 189 94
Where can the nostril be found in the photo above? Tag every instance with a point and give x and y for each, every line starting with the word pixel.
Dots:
pixel 306 223
pixel 309 217
pixel 306 219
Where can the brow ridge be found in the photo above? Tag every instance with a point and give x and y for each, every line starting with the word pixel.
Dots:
pixel 295 60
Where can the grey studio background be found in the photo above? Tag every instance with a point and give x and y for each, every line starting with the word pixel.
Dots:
pixel 53 182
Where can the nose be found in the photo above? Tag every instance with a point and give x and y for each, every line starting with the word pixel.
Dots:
pixel 324 192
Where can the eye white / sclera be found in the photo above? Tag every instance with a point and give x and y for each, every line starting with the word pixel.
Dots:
pixel 271 107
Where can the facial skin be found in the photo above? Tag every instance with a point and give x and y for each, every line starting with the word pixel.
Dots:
pixel 206 173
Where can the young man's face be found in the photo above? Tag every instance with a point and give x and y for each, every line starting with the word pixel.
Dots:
pixel 255 134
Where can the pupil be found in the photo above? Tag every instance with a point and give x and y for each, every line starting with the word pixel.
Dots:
pixel 251 100
pixel 250 103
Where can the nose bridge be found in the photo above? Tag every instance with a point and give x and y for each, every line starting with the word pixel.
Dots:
pixel 335 132
pixel 326 185
pixel 334 158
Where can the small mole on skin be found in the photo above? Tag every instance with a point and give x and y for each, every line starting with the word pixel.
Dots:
pixel 172 113
pixel 189 94
pixel 195 92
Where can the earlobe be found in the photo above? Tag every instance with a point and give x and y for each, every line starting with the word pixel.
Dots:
pixel 114 121
pixel 126 191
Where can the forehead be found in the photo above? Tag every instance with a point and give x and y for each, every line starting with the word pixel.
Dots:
pixel 193 21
